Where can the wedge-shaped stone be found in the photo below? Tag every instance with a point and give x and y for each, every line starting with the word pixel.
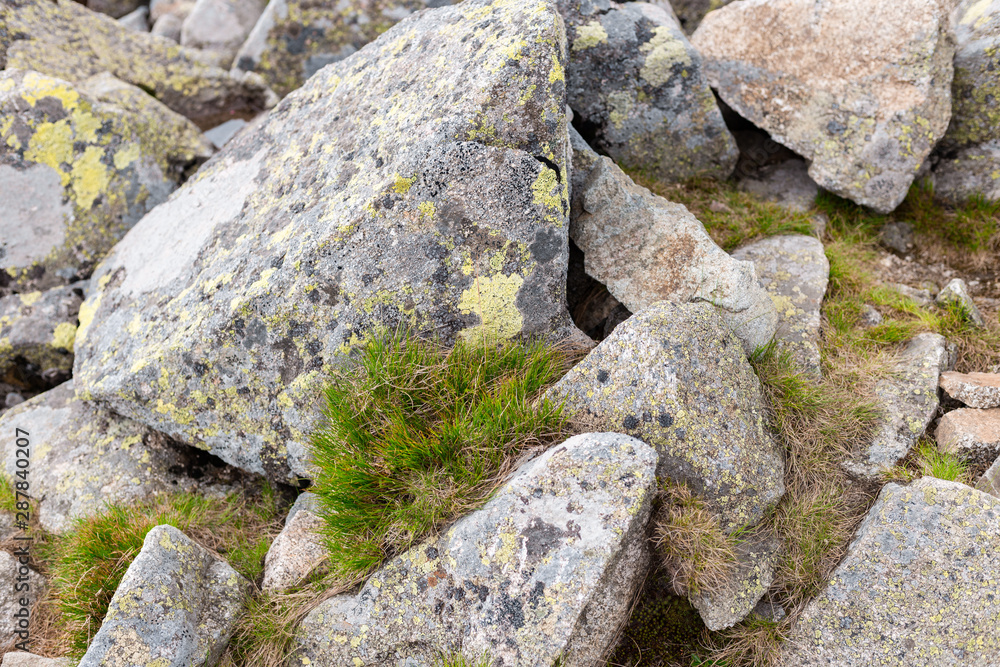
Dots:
pixel 749 582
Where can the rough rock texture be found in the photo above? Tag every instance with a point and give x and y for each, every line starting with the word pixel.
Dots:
pixel 64 39
pixel 909 400
pixel 79 165
pixel 293 39
pixel 13 573
pixel 972 435
pixel 219 27
pixel 543 574
pixel 176 606
pixel 897 237
pixel 113 8
pixel 795 271
pixel 168 26
pixel 969 154
pixel 787 184
pixel 918 586
pixel 861 89
pixel 976 390
pixel 84 456
pixel 691 12
pixel 39 327
pixel 19 659
pixel 439 202
pixel 750 580
pixel 956 294
pixel 648 249
pixel 137 20
pixel 673 377
pixel 636 83
pixel 298 549
pixel 990 481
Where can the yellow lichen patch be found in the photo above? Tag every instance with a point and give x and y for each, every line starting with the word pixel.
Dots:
pixel 663 51
pixel 52 144
pixel 63 336
pixel 86 315
pixel 403 185
pixel 493 300
pixel 38 86
pixel 590 35
pixel 546 192
pixel 31 298
pixel 126 156
pixel 90 177
pixel 975 12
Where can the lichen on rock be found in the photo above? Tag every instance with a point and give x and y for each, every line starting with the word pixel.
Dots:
pixel 40 328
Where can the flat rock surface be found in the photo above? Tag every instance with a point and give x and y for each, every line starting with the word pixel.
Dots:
pixel 176 606
pixel 675 378
pixel 972 435
pixel 544 573
pixel 860 89
pixel 918 586
pixel 39 327
pixel 976 390
pixel 795 271
pixel 434 198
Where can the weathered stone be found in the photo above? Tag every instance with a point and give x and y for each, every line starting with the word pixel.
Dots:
pixel 691 12
pixel 972 435
pixel 674 377
pixel 976 390
pixel 176 606
pixel 363 201
pixel 918 586
pixel 79 165
pixel 84 456
pixel 39 327
pixel 870 316
pixel 861 89
pixel 63 39
pixel 169 27
pixel 219 27
pixel 636 82
pixel 220 136
pixel 179 8
pixel 923 297
pixel 969 154
pixel 795 272
pixel 544 573
pixel 897 237
pixel 956 294
pixel 298 549
pixel 909 401
pixel 113 8
pixel 751 579
pixel 990 481
pixel 19 659
pixel 646 249
pixel 12 573
pixel 787 184
pixel 295 38
pixel 137 20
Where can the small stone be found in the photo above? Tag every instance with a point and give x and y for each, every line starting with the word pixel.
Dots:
pixel 976 390
pixel 298 549
pixel 39 328
pixel 116 9
pixel 137 20
pixel 176 606
pixel 168 26
pixel 219 27
pixel 870 316
pixel 818 223
pixel 972 435
pixel 13 398
pixel 897 237
pixel 221 134
pixel 956 294
pixel 923 297
pixel 749 582
pixel 990 481
pixel 773 613
pixel 787 184
pixel 19 659
pixel 12 573
pixel 179 8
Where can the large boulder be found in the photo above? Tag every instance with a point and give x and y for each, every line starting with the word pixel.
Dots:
pixel 38 328
pixel 219 27
pixel 543 574
pixel 382 194
pixel 648 249
pixel 79 165
pixel 64 39
pixel 176 606
pixel 676 378
pixel 918 585
pixel 293 39
pixel 637 84
pixel 861 89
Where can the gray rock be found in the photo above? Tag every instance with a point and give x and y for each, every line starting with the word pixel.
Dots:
pixel 84 456
pixel 220 136
pixel 691 12
pixel 291 35
pixel 909 401
pixel 787 184
pixel 918 585
pixel 924 297
pixel 63 39
pixel 646 249
pixel 13 573
pixel 137 20
pixel 674 377
pixel 544 573
pixel 636 81
pixel 39 327
pixel 13 398
pixel 113 8
pixel 179 8
pixel 897 237
pixel 795 271
pixel 168 26
pixel 870 316
pixel 74 191
pixel 972 435
pixel 312 232
pixel 864 104
pixel 956 294
pixel 990 481
pixel 749 582
pixel 176 606
pixel 770 612
pixel 219 27
pixel 298 549
pixel 19 659
pixel 976 390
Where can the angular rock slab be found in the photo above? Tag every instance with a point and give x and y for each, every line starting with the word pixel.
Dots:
pixel 432 198
pixel 298 549
pixel 972 435
pixel 39 327
pixel 63 39
pixel 645 249
pixel 83 456
pixel 637 83
pixel 219 27
pixel 909 401
pixel 176 606
pixel 544 573
pixel 749 582
pixel 79 165
pixel 976 390
pixel 795 271
pixel 673 377
pixel 918 586
pixel 861 89
pixel 293 39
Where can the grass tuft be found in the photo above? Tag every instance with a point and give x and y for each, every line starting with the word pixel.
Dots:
pixel 932 462
pixel 416 435
pixel 458 660
pixel 8 496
